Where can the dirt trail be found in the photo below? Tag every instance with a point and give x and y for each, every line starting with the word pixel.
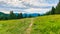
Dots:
pixel 28 30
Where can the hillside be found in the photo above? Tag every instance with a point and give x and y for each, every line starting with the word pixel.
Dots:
pixel 38 25
pixel 17 26
pixel 46 25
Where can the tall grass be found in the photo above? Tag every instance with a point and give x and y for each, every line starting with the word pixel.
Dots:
pixel 46 25
pixel 14 26
pixel 41 25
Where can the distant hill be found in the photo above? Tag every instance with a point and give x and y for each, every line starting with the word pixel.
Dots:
pixel 1 13
pixel 32 14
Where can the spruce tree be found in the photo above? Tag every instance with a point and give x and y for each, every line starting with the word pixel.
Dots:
pixel 53 10
pixel 20 16
pixel 57 11
pixel 12 15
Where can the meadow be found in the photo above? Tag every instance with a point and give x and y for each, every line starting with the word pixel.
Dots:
pixel 17 26
pixel 46 25
pixel 40 25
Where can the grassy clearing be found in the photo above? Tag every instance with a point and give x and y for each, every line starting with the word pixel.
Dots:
pixel 41 25
pixel 46 25
pixel 14 26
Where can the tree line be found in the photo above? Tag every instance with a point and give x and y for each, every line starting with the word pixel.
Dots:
pixel 54 10
pixel 12 15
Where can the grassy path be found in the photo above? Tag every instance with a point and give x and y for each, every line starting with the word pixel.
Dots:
pixel 28 30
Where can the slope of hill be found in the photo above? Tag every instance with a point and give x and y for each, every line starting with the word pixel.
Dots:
pixel 38 25
pixel 17 26
pixel 46 25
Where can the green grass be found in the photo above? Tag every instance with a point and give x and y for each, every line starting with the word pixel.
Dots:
pixel 46 25
pixel 14 26
pixel 41 25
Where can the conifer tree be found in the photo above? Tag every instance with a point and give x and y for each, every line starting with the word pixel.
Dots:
pixel 57 11
pixel 53 10
pixel 20 16
pixel 12 15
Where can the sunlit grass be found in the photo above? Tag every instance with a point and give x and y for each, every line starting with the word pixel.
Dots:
pixel 41 25
pixel 14 26
pixel 46 25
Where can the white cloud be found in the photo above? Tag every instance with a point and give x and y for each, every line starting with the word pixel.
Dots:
pixel 30 2
pixel 34 10
pixel 31 6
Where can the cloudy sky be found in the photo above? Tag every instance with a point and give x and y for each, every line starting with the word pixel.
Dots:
pixel 27 6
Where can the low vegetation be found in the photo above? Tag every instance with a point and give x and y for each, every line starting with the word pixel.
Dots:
pixel 17 26
pixel 41 25
pixel 46 25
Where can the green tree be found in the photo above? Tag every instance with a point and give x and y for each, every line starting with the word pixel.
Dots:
pixel 57 11
pixel 53 10
pixel 12 15
pixel 30 16
pixel 39 15
pixel 20 16
pixel 3 16
pixel 48 13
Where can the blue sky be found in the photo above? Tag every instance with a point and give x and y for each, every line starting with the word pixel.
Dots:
pixel 27 6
